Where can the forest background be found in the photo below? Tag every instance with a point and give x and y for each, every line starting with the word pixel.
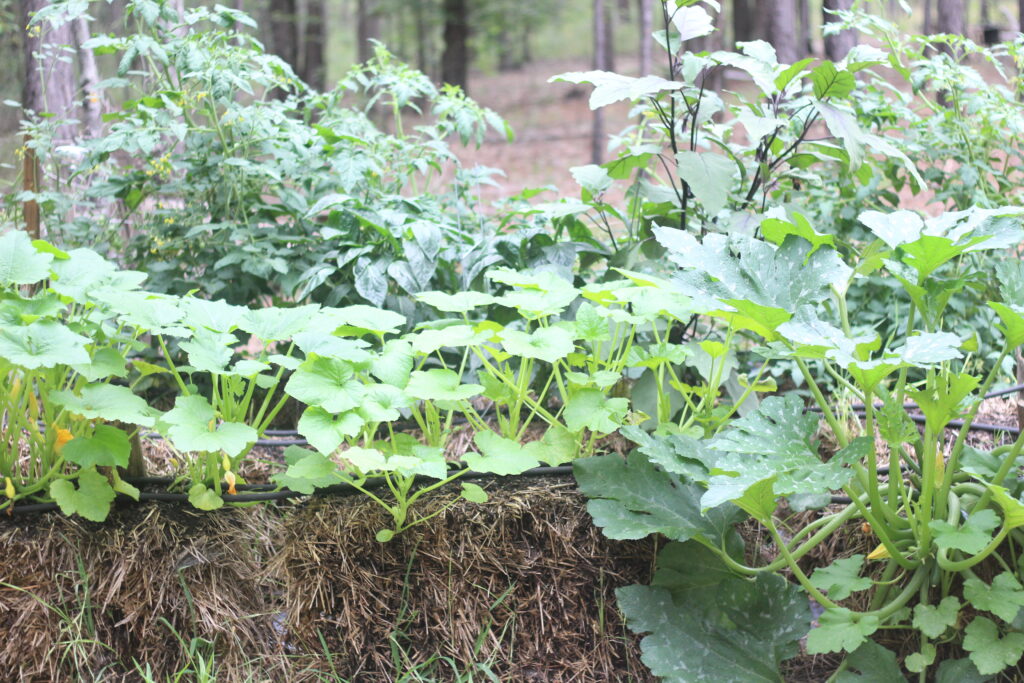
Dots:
pixel 501 52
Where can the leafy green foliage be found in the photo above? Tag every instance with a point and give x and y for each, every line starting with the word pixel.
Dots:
pixel 91 498
pixel 990 651
pixel 707 625
pixel 631 499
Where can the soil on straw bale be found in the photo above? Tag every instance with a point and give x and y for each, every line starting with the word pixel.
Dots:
pixel 522 587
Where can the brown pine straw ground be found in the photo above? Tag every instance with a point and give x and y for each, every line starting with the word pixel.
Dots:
pixel 521 587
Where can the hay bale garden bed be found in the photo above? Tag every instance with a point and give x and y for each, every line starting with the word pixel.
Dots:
pixel 521 588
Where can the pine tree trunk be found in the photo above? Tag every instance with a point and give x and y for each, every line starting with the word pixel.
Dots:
pixel 609 37
pixel 950 17
pixel 312 70
pixel 781 20
pixel 748 20
pixel 837 44
pixel 283 35
pixel 806 44
pixel 421 38
pixel 89 78
pixel 49 82
pixel 49 88
pixel 646 29
pixel 367 28
pixel 600 63
pixel 455 59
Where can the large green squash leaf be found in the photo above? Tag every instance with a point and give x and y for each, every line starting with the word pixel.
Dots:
pixel 750 281
pixel 192 426
pixel 327 383
pixel 775 442
pixel 43 344
pixel 20 262
pixel 631 499
pixel 107 402
pixel 713 626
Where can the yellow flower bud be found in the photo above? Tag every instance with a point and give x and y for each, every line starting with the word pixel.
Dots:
pixel 229 477
pixel 9 488
pixel 15 389
pixel 879 553
pixel 33 407
pixel 225 462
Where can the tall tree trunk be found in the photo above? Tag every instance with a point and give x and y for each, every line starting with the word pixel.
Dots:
pixel 283 35
pixel 49 87
pixel 597 141
pixel 421 37
pixel 837 44
pixel 781 20
pixel 950 16
pixel 89 78
pixel 609 37
pixel 748 20
pixel 312 63
pixel 646 29
pixel 1020 15
pixel 926 26
pixel 455 59
pixel 806 44
pixel 367 28
pixel 49 82
pixel 524 37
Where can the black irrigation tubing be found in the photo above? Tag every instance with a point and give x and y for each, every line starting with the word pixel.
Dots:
pixel 1017 388
pixel 258 496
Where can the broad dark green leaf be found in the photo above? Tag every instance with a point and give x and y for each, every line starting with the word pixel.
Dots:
pixel 712 626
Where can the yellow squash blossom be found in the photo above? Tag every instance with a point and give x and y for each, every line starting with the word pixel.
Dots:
pixel 63 436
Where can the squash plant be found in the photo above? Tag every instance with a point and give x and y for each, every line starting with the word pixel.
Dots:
pixel 66 415
pixel 943 511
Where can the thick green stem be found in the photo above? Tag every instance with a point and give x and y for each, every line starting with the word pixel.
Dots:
pixel 826 410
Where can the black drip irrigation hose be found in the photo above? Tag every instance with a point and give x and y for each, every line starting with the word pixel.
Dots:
pixel 259 493
pixel 263 493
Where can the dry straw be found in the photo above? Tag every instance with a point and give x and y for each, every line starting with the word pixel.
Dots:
pixel 518 589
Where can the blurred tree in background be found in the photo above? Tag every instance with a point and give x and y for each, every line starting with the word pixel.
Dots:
pixel 450 39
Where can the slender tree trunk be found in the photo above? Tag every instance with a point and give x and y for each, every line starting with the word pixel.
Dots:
pixel 455 59
pixel 48 88
pixel 950 17
pixel 646 29
pixel 748 20
pixel 837 44
pixel 597 141
pixel 527 52
pixel 1020 15
pixel 806 45
pixel 49 82
pixel 312 69
pixel 283 35
pixel 927 27
pixel 507 60
pixel 421 37
pixel 609 37
pixel 89 78
pixel 367 28
pixel 781 20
